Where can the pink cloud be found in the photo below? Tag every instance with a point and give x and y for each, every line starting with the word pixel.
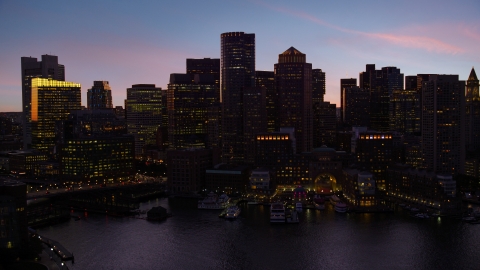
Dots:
pixel 409 41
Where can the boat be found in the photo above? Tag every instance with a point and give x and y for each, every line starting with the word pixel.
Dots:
pixel 319 206
pixel 422 215
pixel 413 209
pixel 212 201
pixel 469 219
pixel 291 216
pixel 277 212
pixel 232 212
pixel 334 200
pixel 340 207
pixel 299 206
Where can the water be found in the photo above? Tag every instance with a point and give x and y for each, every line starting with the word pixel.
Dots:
pixel 198 239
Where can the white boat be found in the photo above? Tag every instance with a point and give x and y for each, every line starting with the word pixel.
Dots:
pixel 232 212
pixel 277 213
pixel 299 206
pixel 212 201
pixel 340 207
pixel 422 215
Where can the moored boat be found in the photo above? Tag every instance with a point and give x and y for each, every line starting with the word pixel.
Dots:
pixel 340 207
pixel 232 212
pixel 277 212
pixel 212 201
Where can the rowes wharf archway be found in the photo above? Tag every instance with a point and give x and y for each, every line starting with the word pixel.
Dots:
pixel 326 169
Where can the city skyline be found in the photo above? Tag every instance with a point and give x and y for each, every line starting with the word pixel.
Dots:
pixel 127 43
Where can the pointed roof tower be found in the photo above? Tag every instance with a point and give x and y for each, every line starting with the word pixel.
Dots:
pixel 473 75
pixel 292 55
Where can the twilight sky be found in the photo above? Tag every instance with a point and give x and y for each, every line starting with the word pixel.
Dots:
pixel 133 42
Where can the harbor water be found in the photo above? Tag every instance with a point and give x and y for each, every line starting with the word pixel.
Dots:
pixel 199 239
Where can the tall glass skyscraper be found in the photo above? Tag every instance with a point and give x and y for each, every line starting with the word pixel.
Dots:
pixel 51 101
pixel 237 64
pixel 48 68
pixel 293 79
pixel 143 108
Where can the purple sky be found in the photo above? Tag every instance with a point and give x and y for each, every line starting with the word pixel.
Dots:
pixel 133 42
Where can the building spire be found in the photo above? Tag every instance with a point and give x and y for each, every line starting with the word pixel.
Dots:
pixel 473 75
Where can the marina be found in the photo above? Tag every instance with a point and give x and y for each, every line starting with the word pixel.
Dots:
pixel 432 243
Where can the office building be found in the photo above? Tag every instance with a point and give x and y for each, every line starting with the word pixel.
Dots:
pixel 472 112
pixel 318 85
pixel 324 124
pixel 189 105
pixel 345 84
pixel 293 80
pixel 143 108
pixel 97 159
pixel 99 96
pixel 237 65
pixel 13 219
pixel 443 118
pixel 355 107
pixel 266 79
pixel 373 150
pixel 186 169
pixel 255 119
pixel 405 111
pixel 48 68
pixel 52 101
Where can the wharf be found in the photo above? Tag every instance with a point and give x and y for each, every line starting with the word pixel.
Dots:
pixel 55 246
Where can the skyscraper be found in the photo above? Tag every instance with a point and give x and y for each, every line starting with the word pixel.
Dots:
pixel 99 96
pixel 237 64
pixel 345 83
pixel 143 108
pixel 472 112
pixel 266 79
pixel 443 137
pixel 293 80
pixel 51 102
pixel 255 119
pixel 355 107
pixel 189 104
pixel 31 68
pixel 318 85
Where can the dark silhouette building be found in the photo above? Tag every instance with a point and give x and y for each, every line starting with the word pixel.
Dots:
pixel 266 79
pixel 143 108
pixel 99 96
pixel 318 85
pixel 237 64
pixel 293 80
pixel 324 124
pixel 255 119
pixel 443 119
pixel 190 105
pixel 355 107
pixel 472 112
pixel 344 102
pixel 48 68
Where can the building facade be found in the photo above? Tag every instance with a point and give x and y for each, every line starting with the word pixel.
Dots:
pixel 48 68
pixel 237 64
pixel 443 137
pixel 293 80
pixel 99 96
pixel 143 108
pixel 51 102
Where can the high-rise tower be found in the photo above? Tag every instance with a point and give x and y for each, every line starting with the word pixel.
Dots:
pixel 443 137
pixel 143 108
pixel 293 79
pixel 99 96
pixel 237 64
pixel 48 68
pixel 472 112
pixel 51 102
